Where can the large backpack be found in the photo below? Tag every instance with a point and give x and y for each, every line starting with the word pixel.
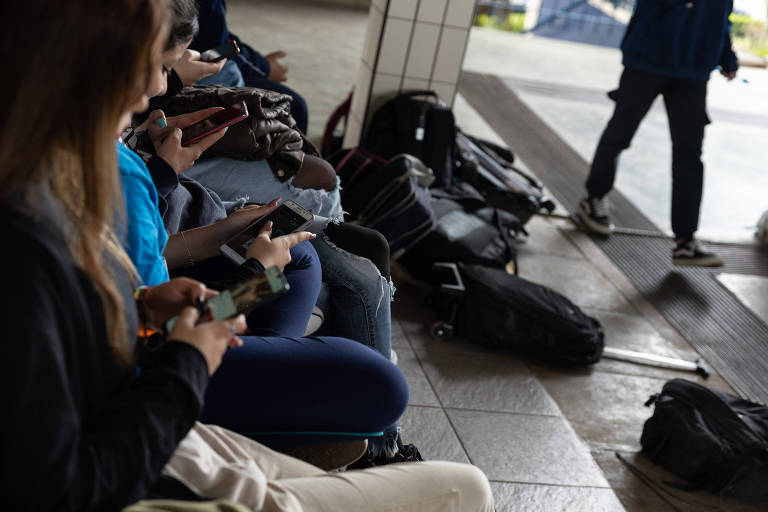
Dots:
pixel 499 310
pixel 467 231
pixel 389 196
pixel 491 170
pixel 423 127
pixel 714 440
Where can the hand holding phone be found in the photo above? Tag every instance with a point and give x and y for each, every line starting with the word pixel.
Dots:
pixel 213 123
pixel 241 299
pixel 223 51
pixel 288 217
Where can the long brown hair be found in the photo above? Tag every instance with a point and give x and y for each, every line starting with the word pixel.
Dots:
pixel 70 71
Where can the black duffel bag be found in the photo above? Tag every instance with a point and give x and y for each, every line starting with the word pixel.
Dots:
pixel 490 307
pixel 714 440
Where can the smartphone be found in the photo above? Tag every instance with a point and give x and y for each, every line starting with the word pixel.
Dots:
pixel 286 218
pixel 244 297
pixel 223 51
pixel 213 123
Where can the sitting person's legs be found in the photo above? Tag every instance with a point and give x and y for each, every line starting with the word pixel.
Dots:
pixel 255 182
pixel 286 316
pixel 327 386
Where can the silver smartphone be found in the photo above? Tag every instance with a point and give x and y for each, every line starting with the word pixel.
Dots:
pixel 286 218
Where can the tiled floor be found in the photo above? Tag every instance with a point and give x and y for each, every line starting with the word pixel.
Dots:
pixel 547 437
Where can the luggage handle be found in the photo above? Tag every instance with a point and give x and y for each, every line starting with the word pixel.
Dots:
pixel 419 169
pixel 451 289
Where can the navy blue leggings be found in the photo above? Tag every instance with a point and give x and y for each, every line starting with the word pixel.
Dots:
pixel 286 316
pixel 287 391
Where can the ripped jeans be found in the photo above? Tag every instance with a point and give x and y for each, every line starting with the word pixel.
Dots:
pixel 254 181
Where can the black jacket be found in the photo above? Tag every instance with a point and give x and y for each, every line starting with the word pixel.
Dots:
pixel 78 432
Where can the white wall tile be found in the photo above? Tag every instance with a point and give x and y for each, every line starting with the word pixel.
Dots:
pixel 397 34
pixel 354 132
pixel 445 91
pixel 402 8
pixel 423 48
pixel 450 54
pixel 432 10
pixel 372 35
pixel 415 84
pixel 385 87
pixel 362 90
pixel 460 13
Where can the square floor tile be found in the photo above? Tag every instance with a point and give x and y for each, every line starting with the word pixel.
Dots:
pixel 399 338
pixel 526 449
pixel 605 409
pixel 421 392
pixel 430 431
pixel 486 382
pixel 578 280
pixel 552 498
pixel 547 238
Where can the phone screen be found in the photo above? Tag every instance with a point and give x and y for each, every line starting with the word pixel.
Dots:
pixel 213 123
pixel 284 221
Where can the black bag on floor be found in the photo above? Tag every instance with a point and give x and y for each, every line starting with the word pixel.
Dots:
pixel 492 308
pixel 714 440
pixel 490 169
pixel 388 196
pixel 424 128
pixel 467 231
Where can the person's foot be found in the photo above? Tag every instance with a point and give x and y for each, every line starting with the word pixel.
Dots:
pixel 405 453
pixel 330 456
pixel 593 214
pixel 689 253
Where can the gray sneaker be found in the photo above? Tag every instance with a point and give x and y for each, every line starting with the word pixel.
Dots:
pixel 593 214
pixel 690 253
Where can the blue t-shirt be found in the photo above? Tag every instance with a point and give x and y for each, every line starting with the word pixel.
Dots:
pixel 145 235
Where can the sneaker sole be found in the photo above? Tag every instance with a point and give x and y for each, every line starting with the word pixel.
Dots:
pixel 591 225
pixel 714 261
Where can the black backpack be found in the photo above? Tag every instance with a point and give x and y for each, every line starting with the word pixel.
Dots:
pixel 499 310
pixel 491 170
pixel 466 231
pixel 424 128
pixel 389 196
pixel 714 440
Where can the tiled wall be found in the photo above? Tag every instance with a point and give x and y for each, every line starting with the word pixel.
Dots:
pixel 410 45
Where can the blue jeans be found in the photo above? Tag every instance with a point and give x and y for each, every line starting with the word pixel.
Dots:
pixel 255 182
pixel 229 75
pixel 285 316
pixel 359 297
pixel 292 390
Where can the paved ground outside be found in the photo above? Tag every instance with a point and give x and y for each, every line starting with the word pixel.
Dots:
pixel 547 437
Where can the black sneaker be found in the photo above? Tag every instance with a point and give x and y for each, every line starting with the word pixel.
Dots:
pixel 690 253
pixel 405 453
pixel 593 214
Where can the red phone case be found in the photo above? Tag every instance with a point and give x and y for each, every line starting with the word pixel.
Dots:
pixel 217 121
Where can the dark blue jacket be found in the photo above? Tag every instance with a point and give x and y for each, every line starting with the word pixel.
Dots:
pixel 680 38
pixel 212 17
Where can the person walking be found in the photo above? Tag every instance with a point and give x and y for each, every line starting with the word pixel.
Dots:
pixel 670 48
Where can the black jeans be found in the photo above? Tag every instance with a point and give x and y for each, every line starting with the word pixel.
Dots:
pixel 685 101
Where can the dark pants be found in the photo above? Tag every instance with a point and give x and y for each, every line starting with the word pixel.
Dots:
pixel 685 101
pixel 285 316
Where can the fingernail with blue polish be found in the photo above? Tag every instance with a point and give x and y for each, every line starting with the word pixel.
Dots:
pixel 161 122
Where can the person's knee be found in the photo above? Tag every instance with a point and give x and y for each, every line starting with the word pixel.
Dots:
pixel 476 494
pixel 303 255
pixel 315 173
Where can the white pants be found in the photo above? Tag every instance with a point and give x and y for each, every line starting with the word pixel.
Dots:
pixel 217 463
